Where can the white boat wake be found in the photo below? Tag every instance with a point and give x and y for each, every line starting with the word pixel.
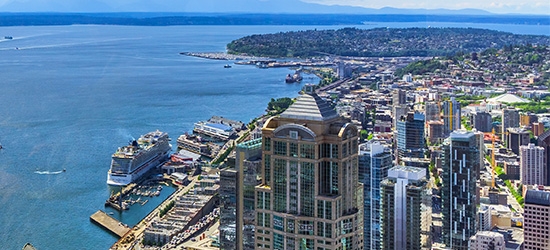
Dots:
pixel 48 172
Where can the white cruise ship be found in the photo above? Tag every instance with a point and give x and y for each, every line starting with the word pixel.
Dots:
pixel 132 161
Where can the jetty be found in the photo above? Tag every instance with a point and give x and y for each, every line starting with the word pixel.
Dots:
pixel 109 223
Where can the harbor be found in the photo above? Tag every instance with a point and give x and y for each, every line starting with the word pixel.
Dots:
pixel 109 223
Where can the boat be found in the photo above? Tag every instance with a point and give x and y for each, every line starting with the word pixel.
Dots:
pixel 296 77
pixel 130 162
pixel 8 37
pixel 227 66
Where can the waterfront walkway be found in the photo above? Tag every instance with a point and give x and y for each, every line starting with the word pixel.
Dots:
pixel 109 223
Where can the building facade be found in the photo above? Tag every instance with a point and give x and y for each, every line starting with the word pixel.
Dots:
pixel 406 209
pixel 487 240
pixel 433 113
pixel 532 168
pixel 516 137
pixel 544 141
pixel 460 163
pixel 410 136
pixel 374 162
pixel 236 193
pixel 510 119
pixel 536 217
pixel 451 116
pixel 482 121
pixel 310 196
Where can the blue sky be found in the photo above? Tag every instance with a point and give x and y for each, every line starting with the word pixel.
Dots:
pixel 540 7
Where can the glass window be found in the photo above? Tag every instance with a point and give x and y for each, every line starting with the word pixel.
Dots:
pixel 278 223
pixel 293 149
pixel 307 189
pixel 307 151
pixel 279 185
pixel 267 143
pixel 278 241
pixel 306 227
pixel 267 168
pixel 279 148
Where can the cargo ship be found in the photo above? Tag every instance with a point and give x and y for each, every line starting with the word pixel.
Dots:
pixel 130 162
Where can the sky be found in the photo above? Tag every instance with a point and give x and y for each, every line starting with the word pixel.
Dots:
pixel 538 7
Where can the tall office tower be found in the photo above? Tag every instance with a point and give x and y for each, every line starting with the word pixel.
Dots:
pixel 374 162
pixel 485 240
pixel 406 209
pixel 310 196
pixel 460 163
pixel 532 168
pixel 399 97
pixel 510 119
pixel 482 121
pixel 451 116
pixel 432 111
pixel 398 111
pixel 544 141
pixel 536 217
pixel 410 136
pixel 516 137
pixel 237 197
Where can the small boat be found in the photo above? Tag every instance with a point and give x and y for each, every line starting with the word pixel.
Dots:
pixel 227 66
pixel 8 37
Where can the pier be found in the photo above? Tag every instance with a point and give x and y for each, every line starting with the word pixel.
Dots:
pixel 109 223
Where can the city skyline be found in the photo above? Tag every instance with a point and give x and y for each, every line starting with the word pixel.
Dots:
pixel 532 7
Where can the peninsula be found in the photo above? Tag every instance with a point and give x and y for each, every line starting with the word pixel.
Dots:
pixel 378 42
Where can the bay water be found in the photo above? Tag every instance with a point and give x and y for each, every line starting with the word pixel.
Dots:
pixel 70 95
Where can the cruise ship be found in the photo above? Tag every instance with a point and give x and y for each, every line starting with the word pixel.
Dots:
pixel 132 161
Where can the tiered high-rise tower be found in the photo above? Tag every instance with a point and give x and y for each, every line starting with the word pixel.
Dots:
pixel 310 196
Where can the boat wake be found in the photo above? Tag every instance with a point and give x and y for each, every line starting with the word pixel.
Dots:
pixel 48 172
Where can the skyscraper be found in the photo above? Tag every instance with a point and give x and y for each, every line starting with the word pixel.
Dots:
pixel 451 116
pixel 406 209
pixel 544 141
pixel 432 111
pixel 516 137
pixel 536 220
pixel 510 119
pixel 237 197
pixel 532 168
pixel 374 162
pixel 309 197
pixel 460 163
pixel 482 121
pixel 399 97
pixel 410 136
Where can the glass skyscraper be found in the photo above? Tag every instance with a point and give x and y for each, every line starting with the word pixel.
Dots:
pixel 374 162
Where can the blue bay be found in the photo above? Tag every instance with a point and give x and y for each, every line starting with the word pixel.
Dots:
pixel 70 95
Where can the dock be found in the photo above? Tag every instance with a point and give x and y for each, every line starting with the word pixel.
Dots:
pixel 109 223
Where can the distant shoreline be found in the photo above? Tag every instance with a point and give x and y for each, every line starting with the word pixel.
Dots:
pixel 171 19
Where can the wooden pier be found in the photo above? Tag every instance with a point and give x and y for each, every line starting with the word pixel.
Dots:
pixel 109 223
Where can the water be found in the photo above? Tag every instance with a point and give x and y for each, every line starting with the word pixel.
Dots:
pixel 70 95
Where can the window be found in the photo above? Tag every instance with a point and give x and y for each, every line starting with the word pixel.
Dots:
pixel 293 149
pixel 294 135
pixel 267 143
pixel 279 148
pixel 267 168
pixel 307 189
pixel 307 151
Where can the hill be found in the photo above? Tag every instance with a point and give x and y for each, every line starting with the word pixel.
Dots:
pixel 378 42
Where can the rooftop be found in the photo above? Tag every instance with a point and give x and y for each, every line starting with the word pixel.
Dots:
pixel 310 107
pixel 509 98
